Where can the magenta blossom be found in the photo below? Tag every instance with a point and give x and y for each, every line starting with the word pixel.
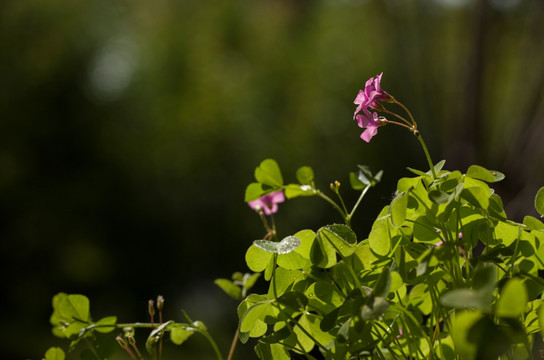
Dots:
pixel 370 95
pixel 370 122
pixel 268 203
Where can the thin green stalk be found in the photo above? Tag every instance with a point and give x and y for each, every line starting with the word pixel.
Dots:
pixel 233 344
pixel 334 204
pixel 407 111
pixel 427 154
pixel 212 342
pixel 397 116
pixel 363 193
pixel 411 128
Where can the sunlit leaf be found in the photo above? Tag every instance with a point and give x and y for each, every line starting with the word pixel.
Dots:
pixel 295 190
pixel 179 334
pixel 268 173
pixel 271 351
pixel 55 353
pixel 305 175
pixel 104 322
pixel 378 238
pixel 539 201
pixel 253 192
pixel 481 173
pixel 257 259
pixel 533 223
pixel 340 236
pixel 398 209
pixel 285 246
pixel 512 300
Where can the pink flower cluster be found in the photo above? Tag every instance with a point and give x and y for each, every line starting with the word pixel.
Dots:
pixel 368 98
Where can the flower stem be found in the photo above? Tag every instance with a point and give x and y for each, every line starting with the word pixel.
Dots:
pixel 398 117
pixel 334 204
pixel 427 154
pixel 407 111
pixel 350 215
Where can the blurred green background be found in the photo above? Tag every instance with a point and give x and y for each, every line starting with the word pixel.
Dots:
pixel 129 131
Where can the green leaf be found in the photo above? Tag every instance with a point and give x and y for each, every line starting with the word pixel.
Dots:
pixel 109 320
pixel 513 299
pixel 293 261
pixel 271 351
pixel 383 284
pixel 378 238
pixel 481 173
pixel 257 312
pixel 285 246
pixel 506 232
pixel 268 173
pixel 460 333
pixel 484 281
pixel 305 175
pixel 295 190
pixel 230 288
pixel 541 318
pixel 438 166
pixel 70 314
pixel 375 307
pixel 54 353
pixel 322 253
pixel 341 237
pixel 249 280
pixel 329 321
pixel 476 196
pixel 254 191
pixel 294 300
pixel 257 259
pixel 533 223
pixel 398 209
pixel 179 334
pixel 539 201
pixel 462 299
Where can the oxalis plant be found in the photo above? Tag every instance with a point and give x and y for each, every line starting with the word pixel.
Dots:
pixel 443 273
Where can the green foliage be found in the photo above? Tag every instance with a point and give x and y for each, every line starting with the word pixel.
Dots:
pixel 443 273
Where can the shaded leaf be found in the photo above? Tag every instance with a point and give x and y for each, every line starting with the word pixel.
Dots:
pixel 231 289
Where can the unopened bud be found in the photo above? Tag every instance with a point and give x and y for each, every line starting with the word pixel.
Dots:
pixel 121 342
pixel 337 183
pixel 332 186
pixel 416 132
pixel 150 307
pixel 131 340
pixel 160 302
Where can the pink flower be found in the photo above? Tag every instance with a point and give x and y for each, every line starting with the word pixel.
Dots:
pixel 371 122
pixel 268 203
pixel 372 93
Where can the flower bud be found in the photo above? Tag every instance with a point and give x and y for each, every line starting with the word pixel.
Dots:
pixel 151 308
pixel 131 340
pixel 121 342
pixel 160 302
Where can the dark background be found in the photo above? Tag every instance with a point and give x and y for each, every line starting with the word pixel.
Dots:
pixel 129 130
